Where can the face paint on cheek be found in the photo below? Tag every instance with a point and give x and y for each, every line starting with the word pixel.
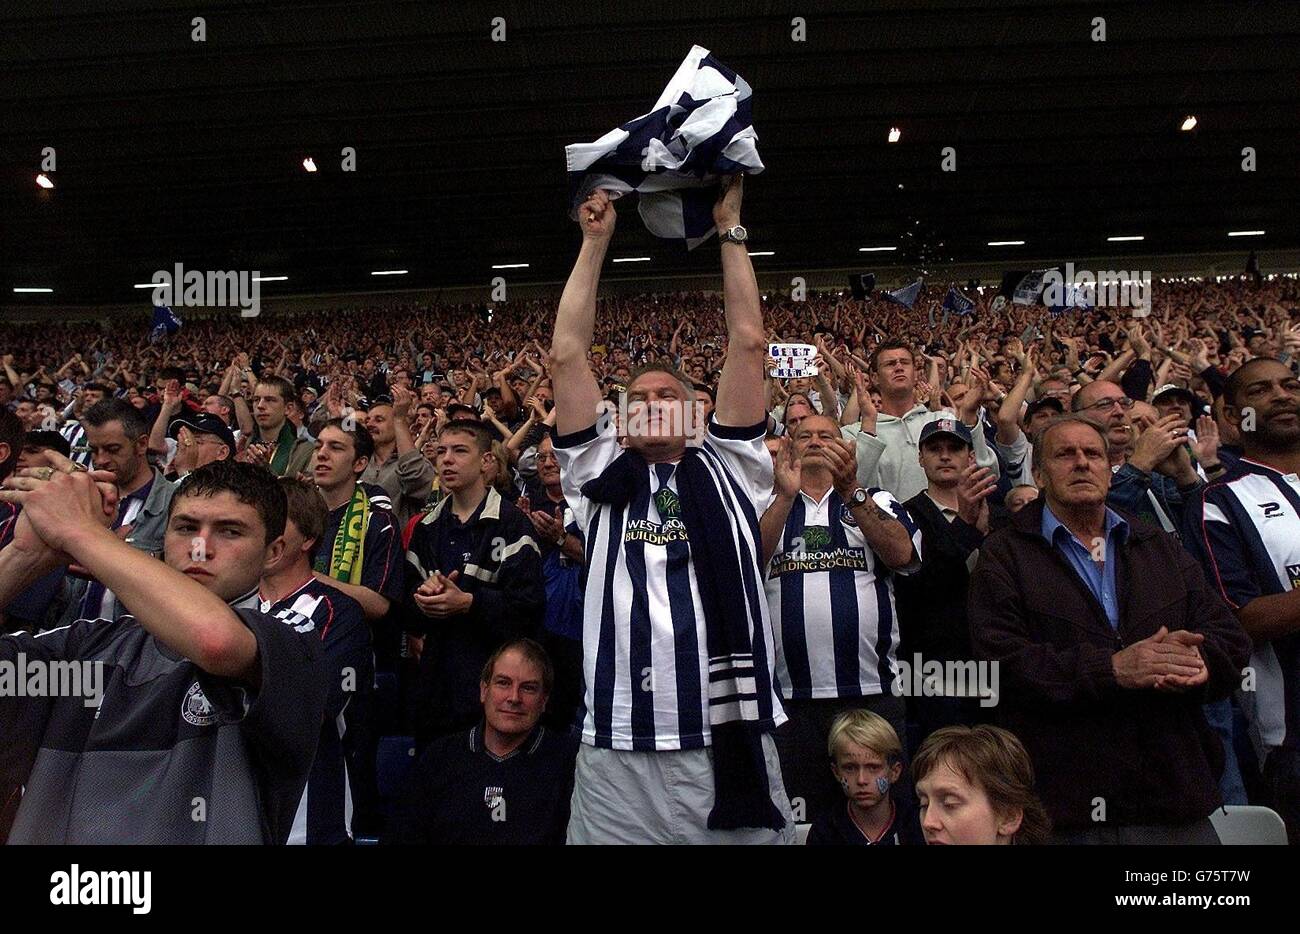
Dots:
pixel 882 785
pixel 844 783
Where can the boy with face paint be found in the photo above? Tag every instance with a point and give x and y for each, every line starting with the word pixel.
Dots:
pixel 867 761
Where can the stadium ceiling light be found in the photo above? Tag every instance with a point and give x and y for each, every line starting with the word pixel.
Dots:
pixel 895 134
pixel 1189 123
pixel 763 253
pixel 510 266
pixel 1124 239
pixel 269 278
pixel 389 272
pixel 1245 233
pixel 44 181
pixel 32 290
pixel 632 259
pixel 309 164
pixel 1006 243
pixel 877 249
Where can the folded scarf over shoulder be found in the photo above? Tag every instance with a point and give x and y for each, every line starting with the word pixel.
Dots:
pixel 742 795
pixel 347 555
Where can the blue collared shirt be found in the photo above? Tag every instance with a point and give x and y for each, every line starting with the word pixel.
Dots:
pixel 1098 575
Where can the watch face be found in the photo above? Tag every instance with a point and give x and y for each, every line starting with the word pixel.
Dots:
pixel 738 234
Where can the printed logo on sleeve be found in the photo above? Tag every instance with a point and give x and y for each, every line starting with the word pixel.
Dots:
pixel 1293 572
pixel 196 709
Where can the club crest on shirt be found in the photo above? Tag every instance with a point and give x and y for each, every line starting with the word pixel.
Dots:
pixel 196 709
pixel 846 516
pixel 668 504
pixel 816 537
pixel 1293 572
pixel 492 795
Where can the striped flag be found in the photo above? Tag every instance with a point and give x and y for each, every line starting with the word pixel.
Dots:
pixel 906 296
pixel 672 157
pixel 957 303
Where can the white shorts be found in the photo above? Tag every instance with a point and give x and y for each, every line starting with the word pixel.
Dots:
pixel 628 796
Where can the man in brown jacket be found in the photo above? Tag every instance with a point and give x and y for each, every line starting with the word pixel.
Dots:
pixel 1108 640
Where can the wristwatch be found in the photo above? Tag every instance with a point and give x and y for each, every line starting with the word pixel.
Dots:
pixel 735 234
pixel 859 497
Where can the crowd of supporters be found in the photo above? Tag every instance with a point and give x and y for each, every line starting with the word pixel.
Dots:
pixel 310 532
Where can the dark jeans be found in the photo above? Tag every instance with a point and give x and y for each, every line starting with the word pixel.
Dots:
pixel 1197 833
pixel 801 746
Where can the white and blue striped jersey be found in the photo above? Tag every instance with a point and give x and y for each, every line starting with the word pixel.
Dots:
pixel 75 432
pixel 1019 456
pixel 831 600
pixel 645 649
pixel 1250 528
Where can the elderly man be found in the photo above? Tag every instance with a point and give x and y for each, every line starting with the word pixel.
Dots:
pixel 1109 640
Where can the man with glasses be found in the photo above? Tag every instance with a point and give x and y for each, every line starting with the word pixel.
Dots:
pixel 1153 477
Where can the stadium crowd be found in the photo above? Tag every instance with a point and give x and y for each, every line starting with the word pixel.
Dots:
pixel 1003 577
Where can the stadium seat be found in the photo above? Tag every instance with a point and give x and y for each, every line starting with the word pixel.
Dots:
pixel 1246 824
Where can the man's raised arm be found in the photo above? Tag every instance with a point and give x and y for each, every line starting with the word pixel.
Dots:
pixel 740 388
pixel 577 394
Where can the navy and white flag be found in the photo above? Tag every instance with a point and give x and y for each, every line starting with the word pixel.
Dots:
pixel 165 322
pixel 672 157
pixel 1029 289
pixel 957 303
pixel 906 296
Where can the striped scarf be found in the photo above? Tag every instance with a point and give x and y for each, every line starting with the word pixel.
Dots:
pixel 347 555
pixel 742 796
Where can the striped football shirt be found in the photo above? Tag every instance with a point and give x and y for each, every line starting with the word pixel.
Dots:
pixel 645 655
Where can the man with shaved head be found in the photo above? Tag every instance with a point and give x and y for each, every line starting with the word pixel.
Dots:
pixel 1250 531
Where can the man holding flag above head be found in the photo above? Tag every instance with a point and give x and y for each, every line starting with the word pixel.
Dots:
pixel 677 644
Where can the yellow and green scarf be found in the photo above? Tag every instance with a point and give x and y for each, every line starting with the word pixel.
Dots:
pixel 347 556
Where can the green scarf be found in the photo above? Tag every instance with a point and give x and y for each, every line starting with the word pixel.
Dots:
pixel 347 556
pixel 284 444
